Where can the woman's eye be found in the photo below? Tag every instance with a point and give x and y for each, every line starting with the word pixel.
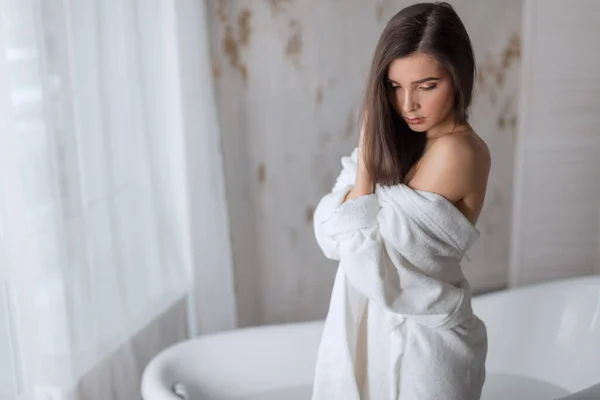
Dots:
pixel 428 87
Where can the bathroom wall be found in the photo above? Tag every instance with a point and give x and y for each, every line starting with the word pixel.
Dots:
pixel 556 218
pixel 288 79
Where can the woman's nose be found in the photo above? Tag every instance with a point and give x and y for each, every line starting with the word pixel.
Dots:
pixel 409 102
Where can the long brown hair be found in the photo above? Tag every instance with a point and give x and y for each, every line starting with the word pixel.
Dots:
pixel 390 147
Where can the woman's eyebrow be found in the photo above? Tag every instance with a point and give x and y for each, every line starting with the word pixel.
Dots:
pixel 429 78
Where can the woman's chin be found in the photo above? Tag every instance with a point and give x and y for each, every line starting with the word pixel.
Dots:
pixel 418 128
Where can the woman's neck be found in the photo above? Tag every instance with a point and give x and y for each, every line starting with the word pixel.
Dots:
pixel 445 128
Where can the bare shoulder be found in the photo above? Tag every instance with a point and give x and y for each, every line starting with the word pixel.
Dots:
pixel 455 165
pixel 464 148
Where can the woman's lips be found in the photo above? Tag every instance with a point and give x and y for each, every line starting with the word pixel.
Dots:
pixel 414 121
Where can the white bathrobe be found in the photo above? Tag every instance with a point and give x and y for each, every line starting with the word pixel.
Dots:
pixel 400 323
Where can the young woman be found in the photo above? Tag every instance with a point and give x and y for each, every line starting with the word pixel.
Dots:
pixel 400 218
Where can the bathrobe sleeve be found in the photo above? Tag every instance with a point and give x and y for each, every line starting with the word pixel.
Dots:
pixel 335 222
pixel 349 232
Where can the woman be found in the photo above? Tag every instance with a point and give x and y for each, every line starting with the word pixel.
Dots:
pixel 400 218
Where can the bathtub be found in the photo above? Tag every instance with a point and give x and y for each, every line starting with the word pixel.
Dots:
pixel 544 343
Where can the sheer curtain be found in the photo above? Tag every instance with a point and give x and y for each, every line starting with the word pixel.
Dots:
pixel 92 242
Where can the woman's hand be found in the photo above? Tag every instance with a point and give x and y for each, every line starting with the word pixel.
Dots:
pixel 360 144
pixel 363 185
pixel 361 170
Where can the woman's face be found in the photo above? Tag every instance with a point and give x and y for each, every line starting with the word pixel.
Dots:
pixel 423 92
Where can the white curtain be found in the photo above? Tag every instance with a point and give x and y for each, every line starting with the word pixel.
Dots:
pixel 92 246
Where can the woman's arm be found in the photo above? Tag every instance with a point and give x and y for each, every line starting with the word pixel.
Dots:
pixel 350 207
pixel 363 185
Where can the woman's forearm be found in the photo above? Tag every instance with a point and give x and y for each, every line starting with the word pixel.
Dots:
pixel 363 185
